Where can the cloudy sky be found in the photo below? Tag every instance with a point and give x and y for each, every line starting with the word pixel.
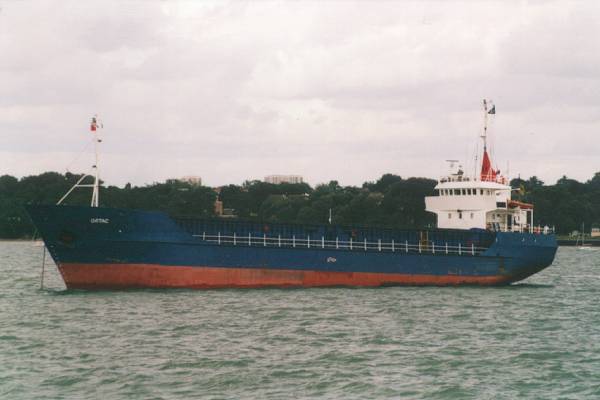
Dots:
pixel 339 90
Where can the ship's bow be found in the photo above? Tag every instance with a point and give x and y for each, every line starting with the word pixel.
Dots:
pixel 81 240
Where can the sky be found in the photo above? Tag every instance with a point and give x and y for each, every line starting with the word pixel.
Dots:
pixel 330 90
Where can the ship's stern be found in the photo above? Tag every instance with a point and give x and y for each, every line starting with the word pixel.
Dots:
pixel 522 254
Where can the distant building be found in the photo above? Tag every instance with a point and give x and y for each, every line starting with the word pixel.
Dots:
pixel 192 180
pixel 277 179
pixel 595 232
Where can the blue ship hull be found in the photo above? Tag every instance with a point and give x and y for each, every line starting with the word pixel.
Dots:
pixel 99 248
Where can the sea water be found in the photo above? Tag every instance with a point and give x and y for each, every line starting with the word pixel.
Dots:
pixel 538 339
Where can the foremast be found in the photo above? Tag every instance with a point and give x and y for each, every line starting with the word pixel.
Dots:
pixel 96 190
pixel 94 173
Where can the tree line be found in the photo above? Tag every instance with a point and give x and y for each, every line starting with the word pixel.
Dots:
pixel 391 201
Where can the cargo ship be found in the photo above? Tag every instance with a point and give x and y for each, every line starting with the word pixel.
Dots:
pixel 483 237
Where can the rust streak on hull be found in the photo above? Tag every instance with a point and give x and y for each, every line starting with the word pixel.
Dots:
pixel 125 276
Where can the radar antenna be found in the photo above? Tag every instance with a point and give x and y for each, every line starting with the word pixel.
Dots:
pixel 452 165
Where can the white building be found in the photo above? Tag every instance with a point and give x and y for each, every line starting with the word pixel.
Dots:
pixel 192 179
pixel 277 179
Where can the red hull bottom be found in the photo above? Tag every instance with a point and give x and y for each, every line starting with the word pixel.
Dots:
pixel 125 276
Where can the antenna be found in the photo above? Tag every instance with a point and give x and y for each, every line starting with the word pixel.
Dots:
pixel 94 173
pixel 451 165
pixel 489 108
pixel 475 159
pixel 485 123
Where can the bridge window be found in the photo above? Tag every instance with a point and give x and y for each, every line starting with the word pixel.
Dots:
pixel 457 192
pixel 481 192
pixel 459 215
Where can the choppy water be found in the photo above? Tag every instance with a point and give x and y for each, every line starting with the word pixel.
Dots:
pixel 539 339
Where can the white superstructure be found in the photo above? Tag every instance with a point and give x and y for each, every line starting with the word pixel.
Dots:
pixel 484 202
pixel 464 203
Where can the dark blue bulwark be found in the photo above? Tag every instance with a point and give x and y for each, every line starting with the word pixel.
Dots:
pixel 242 229
pixel 117 236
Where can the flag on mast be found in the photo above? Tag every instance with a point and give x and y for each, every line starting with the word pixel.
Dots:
pixel 95 124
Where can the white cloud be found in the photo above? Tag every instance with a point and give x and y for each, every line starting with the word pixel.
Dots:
pixel 336 90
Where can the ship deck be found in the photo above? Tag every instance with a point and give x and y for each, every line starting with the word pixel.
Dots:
pixel 351 238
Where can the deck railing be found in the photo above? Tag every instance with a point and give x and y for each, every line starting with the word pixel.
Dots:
pixel 536 229
pixel 428 247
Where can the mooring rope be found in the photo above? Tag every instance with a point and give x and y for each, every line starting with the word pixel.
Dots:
pixel 43 267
